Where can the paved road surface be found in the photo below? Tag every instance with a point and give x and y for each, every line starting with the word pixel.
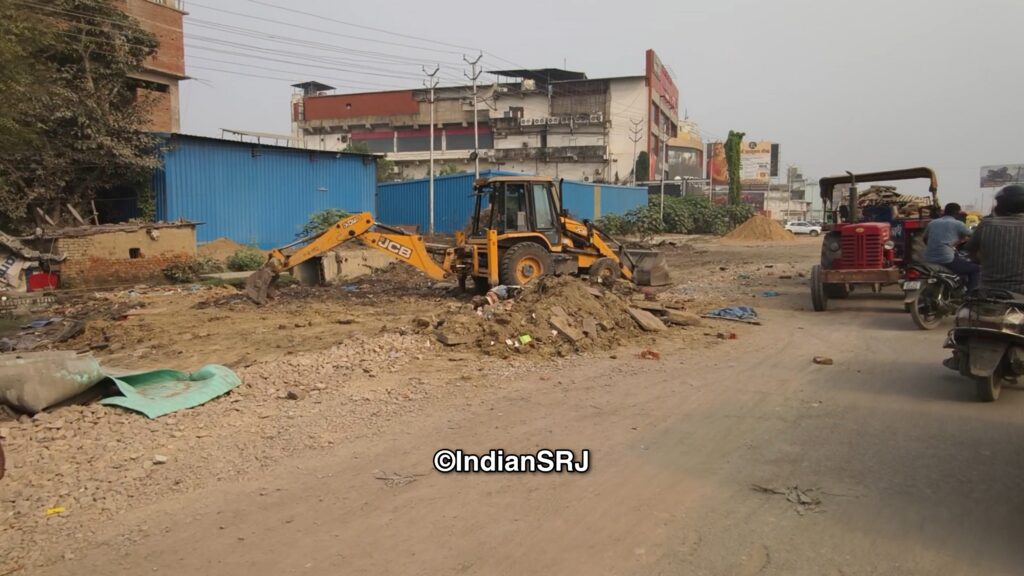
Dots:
pixel 913 475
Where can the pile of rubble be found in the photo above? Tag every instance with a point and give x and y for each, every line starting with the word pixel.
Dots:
pixel 906 206
pixel 556 315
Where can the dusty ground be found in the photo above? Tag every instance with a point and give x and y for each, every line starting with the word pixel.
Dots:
pixel 897 470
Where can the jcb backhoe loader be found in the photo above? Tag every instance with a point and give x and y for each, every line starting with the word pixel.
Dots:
pixel 518 233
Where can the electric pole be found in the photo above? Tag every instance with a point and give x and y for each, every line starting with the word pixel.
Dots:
pixel 635 134
pixel 476 128
pixel 431 83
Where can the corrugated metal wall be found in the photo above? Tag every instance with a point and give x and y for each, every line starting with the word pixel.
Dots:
pixel 408 202
pixel 257 194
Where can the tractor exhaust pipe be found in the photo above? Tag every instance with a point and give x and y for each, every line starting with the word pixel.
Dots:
pixel 853 199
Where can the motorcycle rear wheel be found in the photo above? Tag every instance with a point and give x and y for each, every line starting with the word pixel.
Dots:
pixel 923 314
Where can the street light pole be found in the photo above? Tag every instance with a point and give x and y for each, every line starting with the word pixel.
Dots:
pixel 476 128
pixel 431 83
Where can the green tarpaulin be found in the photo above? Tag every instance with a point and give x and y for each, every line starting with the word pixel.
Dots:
pixel 161 392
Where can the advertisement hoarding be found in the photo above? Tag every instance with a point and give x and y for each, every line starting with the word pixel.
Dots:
pixel 759 162
pixel 1001 175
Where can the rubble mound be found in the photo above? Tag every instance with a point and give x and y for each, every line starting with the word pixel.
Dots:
pixel 760 228
pixel 556 315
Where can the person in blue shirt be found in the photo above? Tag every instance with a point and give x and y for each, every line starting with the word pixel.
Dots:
pixel 943 235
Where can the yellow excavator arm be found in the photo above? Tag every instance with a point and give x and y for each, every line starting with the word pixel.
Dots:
pixel 362 227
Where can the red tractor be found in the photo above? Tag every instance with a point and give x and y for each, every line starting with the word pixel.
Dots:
pixel 872 246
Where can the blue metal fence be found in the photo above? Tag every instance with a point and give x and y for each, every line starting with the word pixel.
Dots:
pixel 257 194
pixel 408 202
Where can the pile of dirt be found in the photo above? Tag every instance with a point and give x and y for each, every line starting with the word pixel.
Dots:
pixel 556 315
pixel 760 228
pixel 220 249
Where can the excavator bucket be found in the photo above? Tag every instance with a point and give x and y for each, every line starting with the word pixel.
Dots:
pixel 260 284
pixel 649 267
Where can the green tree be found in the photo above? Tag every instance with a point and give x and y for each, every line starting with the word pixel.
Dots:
pixel 447 169
pixel 732 158
pixel 643 167
pixel 385 167
pixel 72 115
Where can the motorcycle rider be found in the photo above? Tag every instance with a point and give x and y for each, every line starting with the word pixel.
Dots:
pixel 942 235
pixel 998 242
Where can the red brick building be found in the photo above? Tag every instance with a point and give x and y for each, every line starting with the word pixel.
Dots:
pixel 159 80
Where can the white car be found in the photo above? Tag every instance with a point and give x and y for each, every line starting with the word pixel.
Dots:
pixel 803 228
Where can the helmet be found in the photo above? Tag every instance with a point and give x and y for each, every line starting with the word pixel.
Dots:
pixel 1010 200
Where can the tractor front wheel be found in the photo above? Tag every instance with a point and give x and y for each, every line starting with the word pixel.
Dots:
pixel 818 297
pixel 524 263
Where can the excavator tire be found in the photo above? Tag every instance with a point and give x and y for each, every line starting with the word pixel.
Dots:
pixel 604 271
pixel 525 262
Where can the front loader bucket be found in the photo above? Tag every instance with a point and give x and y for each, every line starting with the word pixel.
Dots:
pixel 649 267
pixel 260 284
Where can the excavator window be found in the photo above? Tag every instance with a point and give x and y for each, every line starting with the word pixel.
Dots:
pixel 513 205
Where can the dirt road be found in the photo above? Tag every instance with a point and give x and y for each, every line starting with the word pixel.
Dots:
pixel 913 476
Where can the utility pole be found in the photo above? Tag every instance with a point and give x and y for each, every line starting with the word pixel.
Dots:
pixel 635 134
pixel 664 168
pixel 431 83
pixel 476 128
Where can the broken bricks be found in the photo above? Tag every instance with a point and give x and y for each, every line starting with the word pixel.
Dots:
pixel 647 321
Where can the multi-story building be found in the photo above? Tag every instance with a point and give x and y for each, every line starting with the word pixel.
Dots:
pixel 159 79
pixel 545 121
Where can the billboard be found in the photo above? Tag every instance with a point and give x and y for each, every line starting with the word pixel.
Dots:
pixel 759 162
pixel 1001 175
pixel 684 162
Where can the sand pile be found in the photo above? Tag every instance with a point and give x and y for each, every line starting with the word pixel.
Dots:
pixel 760 228
pixel 552 316
pixel 220 249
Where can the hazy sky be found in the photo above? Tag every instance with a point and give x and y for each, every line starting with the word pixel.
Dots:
pixel 842 85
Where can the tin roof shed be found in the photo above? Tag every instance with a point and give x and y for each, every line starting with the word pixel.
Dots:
pixel 257 193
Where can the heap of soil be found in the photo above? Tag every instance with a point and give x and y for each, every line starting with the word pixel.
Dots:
pixel 760 228
pixel 597 319
pixel 220 249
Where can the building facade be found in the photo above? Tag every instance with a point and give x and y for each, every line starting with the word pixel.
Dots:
pixel 550 121
pixel 158 81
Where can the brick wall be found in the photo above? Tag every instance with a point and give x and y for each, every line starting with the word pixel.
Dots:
pixel 106 259
pixel 164 22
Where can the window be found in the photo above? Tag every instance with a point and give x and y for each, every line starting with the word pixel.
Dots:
pixel 515 207
pixel 542 207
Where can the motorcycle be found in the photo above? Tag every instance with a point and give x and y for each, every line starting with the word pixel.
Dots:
pixel 932 292
pixel 988 340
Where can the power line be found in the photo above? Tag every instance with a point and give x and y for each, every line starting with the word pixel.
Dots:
pixel 382 31
pixel 311 29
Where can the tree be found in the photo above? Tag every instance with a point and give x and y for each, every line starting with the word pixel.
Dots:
pixel 643 166
pixel 73 116
pixel 447 169
pixel 732 158
pixel 385 167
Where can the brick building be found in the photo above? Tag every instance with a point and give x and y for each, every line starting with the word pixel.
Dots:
pixel 114 254
pixel 166 68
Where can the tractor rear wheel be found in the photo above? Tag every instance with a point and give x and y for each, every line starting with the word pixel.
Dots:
pixel 818 297
pixel 604 271
pixel 524 263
